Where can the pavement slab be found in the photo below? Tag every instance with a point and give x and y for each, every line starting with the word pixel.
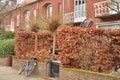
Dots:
pixel 8 73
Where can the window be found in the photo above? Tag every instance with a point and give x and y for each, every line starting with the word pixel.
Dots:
pixel 27 18
pixel 109 25
pixel 80 5
pixel 5 24
pixel 18 20
pixel 12 23
pixel 35 14
pixel 49 10
pixel 80 10
pixel 117 26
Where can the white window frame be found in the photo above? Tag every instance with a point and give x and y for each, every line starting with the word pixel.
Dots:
pixel 12 23
pixel 49 10
pixel 27 18
pixel 79 10
pixel 109 25
pixel 5 24
pixel 35 14
pixel 18 20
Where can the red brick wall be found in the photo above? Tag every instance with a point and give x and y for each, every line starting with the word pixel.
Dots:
pixel 7 61
pixel 15 13
pixel 68 7
pixel 42 71
pixel 31 8
pixel 54 5
pixel 76 74
pixel 8 20
pixel 91 10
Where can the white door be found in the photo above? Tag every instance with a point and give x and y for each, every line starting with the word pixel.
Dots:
pixel 79 10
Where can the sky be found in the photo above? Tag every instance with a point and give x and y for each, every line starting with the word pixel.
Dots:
pixel 19 1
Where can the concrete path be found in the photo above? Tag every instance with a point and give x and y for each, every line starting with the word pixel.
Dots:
pixel 7 73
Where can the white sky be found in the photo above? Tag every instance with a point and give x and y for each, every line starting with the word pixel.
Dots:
pixel 19 1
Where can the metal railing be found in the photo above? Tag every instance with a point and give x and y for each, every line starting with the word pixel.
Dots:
pixel 68 18
pixel 103 8
pixel 73 17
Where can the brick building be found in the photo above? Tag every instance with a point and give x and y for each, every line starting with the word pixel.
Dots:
pixel 104 12
pixel 73 11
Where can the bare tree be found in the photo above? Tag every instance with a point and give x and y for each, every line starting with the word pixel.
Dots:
pixel 115 5
pixel 3 4
pixel 52 24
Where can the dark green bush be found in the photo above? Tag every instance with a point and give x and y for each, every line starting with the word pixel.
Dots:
pixel 7 35
pixel 6 47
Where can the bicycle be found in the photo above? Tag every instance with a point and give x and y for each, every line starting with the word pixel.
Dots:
pixel 29 67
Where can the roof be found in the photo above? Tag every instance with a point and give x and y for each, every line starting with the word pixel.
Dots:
pixel 28 1
pixel 24 3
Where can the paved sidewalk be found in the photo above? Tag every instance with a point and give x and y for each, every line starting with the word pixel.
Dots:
pixel 7 73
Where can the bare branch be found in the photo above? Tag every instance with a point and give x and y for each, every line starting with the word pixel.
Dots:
pixel 114 5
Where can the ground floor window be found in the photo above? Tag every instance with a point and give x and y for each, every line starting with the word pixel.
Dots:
pixel 109 25
pixel 12 23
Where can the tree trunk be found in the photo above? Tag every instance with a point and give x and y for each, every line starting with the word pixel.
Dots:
pixel 54 43
pixel 35 41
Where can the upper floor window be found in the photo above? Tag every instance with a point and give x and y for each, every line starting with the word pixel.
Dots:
pixel 18 20
pixel 27 18
pixel 5 24
pixel 79 10
pixel 80 5
pixel 49 10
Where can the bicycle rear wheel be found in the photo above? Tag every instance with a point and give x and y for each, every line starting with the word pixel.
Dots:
pixel 30 71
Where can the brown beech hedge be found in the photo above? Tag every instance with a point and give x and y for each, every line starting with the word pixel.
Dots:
pixel 85 48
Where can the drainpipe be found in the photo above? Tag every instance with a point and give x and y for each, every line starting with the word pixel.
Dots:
pixel 63 11
pixel 37 10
